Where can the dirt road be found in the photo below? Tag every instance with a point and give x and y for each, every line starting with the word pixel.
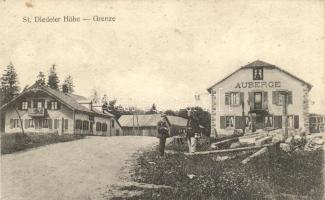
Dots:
pixel 82 169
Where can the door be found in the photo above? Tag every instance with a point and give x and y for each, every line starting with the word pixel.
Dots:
pixel 257 100
pixel 91 128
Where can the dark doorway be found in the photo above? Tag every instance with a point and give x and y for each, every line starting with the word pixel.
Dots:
pixel 259 121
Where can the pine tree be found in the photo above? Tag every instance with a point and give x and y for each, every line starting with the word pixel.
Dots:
pixel 68 86
pixel 9 84
pixel 53 79
pixel 41 79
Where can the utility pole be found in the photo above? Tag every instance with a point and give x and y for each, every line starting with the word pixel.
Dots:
pixel 133 124
pixel 285 113
pixel 243 115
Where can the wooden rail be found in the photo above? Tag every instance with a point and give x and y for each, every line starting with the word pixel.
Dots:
pixel 229 150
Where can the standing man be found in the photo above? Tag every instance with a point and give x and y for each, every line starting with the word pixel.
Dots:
pixel 192 130
pixel 163 133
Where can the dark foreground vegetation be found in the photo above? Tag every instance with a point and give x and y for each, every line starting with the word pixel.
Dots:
pixel 17 141
pixel 295 175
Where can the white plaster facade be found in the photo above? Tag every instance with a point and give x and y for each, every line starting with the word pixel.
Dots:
pixel 61 120
pixel 241 81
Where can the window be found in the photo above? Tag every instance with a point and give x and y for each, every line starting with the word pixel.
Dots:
pixel 78 124
pixel 230 121
pixel 17 123
pixel 66 124
pixel 45 123
pixel 233 98
pixel 113 123
pixel 39 104
pixel 24 105
pixel 247 120
pixel 98 126
pixel 31 123
pixel 293 121
pixel 104 127
pixel 258 73
pixel 268 121
pixel 85 125
pixel 290 121
pixel 54 105
pixel 14 123
pixel 38 123
pixel 278 97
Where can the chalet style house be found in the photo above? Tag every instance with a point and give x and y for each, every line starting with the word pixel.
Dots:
pixel 259 93
pixel 45 110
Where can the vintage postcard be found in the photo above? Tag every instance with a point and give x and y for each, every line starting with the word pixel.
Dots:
pixel 175 99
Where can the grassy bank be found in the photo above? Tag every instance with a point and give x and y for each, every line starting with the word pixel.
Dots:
pixel 17 141
pixel 297 175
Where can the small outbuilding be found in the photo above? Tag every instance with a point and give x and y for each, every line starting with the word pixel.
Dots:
pixel 141 125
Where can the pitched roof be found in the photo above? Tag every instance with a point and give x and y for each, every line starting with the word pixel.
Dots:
pixel 139 120
pixel 176 121
pixel 66 99
pixel 78 98
pixel 259 63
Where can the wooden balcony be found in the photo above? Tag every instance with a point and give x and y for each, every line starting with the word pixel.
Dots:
pixel 36 112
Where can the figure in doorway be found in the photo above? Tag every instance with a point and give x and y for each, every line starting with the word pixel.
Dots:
pixel 193 129
pixel 163 133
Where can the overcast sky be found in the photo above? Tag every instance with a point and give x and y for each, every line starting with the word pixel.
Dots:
pixel 163 51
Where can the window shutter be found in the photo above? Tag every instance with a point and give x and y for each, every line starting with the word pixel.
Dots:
pixel 241 98
pixel 278 121
pixel 238 122
pixel 290 97
pixel 227 98
pixel 296 121
pixel 251 100
pixel 50 123
pixel 11 123
pixel 222 122
pixel 40 123
pixel 265 100
pixel 275 97
pixel 43 103
pixel 66 125
pixel 59 105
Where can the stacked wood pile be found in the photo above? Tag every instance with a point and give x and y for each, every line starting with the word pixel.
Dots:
pixel 264 143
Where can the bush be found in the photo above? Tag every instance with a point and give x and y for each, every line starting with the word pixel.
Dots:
pixel 17 141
